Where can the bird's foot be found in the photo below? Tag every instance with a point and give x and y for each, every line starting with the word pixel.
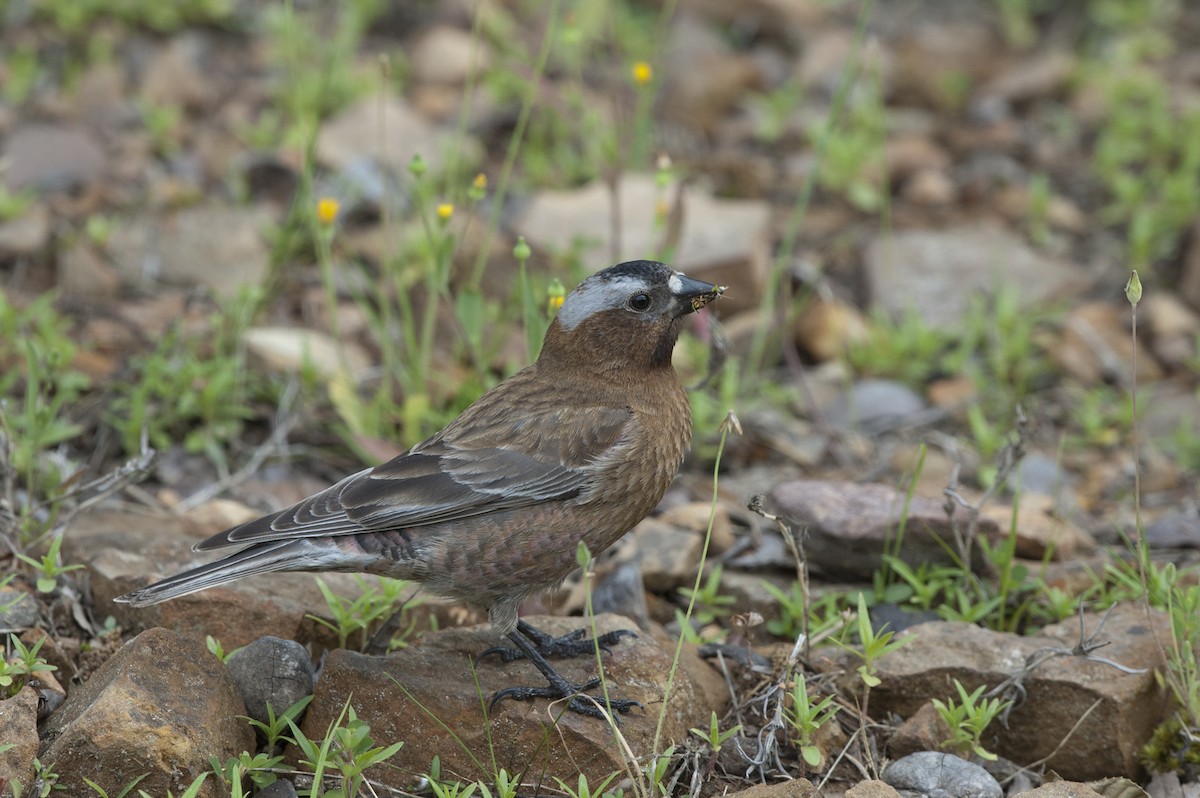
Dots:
pixel 576 695
pixel 573 644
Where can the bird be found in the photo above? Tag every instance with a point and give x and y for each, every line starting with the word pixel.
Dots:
pixel 577 447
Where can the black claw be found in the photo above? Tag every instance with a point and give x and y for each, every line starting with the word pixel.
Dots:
pixel 535 646
pixel 572 644
pixel 574 693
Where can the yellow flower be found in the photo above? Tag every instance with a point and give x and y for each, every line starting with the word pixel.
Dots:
pixel 478 189
pixel 555 294
pixel 444 211
pixel 643 73
pixel 327 210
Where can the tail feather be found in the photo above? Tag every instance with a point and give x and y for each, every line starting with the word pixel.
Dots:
pixel 286 555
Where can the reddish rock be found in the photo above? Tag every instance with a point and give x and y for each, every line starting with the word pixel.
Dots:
pixel 161 706
pixel 792 788
pixel 431 696
pixel 1122 709
pixel 849 525
pixel 18 737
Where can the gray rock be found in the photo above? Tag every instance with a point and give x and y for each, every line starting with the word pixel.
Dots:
pixel 939 775
pixel 1039 473
pixel 222 247
pixel 876 406
pixel 271 671
pixel 1179 529
pixel 848 525
pixel 623 593
pixel 937 272
pixel 18 610
pixel 391 132
pixel 278 789
pixel 46 157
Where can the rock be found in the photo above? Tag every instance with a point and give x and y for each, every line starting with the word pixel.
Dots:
pixel 936 272
pixel 1173 329
pixel 827 52
pixel 1122 709
pixel 1070 789
pixel 750 593
pixel 388 130
pixel 668 555
pixel 792 788
pixel 622 592
pixel 1015 203
pixel 271 671
pixel 124 551
pixel 277 789
pixel 176 77
pixel 419 693
pixel 694 516
pixel 924 730
pixel 83 272
pixel 161 706
pixel 1041 474
pixel 445 54
pixel 18 610
pixel 849 524
pixel 1175 529
pixel 1096 347
pixel 1032 77
pixel 937 774
pixel 18 737
pixel 51 158
pixel 702 77
pixel 288 350
pixel 1189 279
pixel 27 235
pixel 790 20
pixel 874 405
pixel 828 328
pixel 221 247
pixel 725 241
pixel 930 188
pixel 872 789
pixel 1041 529
pixel 909 154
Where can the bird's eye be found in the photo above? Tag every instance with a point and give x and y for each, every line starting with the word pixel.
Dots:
pixel 639 302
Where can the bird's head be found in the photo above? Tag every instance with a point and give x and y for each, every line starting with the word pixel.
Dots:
pixel 628 315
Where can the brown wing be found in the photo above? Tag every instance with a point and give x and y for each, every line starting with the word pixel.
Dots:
pixel 492 461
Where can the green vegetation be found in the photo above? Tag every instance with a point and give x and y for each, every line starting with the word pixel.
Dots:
pixel 19 664
pixel 806 717
pixel 967 719
pixel 381 599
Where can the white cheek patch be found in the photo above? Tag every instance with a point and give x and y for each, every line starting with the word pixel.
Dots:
pixel 595 296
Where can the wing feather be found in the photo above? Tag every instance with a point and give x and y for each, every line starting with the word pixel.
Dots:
pixel 463 472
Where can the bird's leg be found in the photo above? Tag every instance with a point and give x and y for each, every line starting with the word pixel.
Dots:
pixel 559 687
pixel 572 644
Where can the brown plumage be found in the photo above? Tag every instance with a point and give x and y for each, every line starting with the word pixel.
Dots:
pixel 579 446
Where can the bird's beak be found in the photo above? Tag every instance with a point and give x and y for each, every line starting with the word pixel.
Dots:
pixel 691 295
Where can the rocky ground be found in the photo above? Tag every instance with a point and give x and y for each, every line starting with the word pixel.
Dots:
pixel 926 213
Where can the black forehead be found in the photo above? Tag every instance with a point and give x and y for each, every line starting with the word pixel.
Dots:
pixel 648 271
